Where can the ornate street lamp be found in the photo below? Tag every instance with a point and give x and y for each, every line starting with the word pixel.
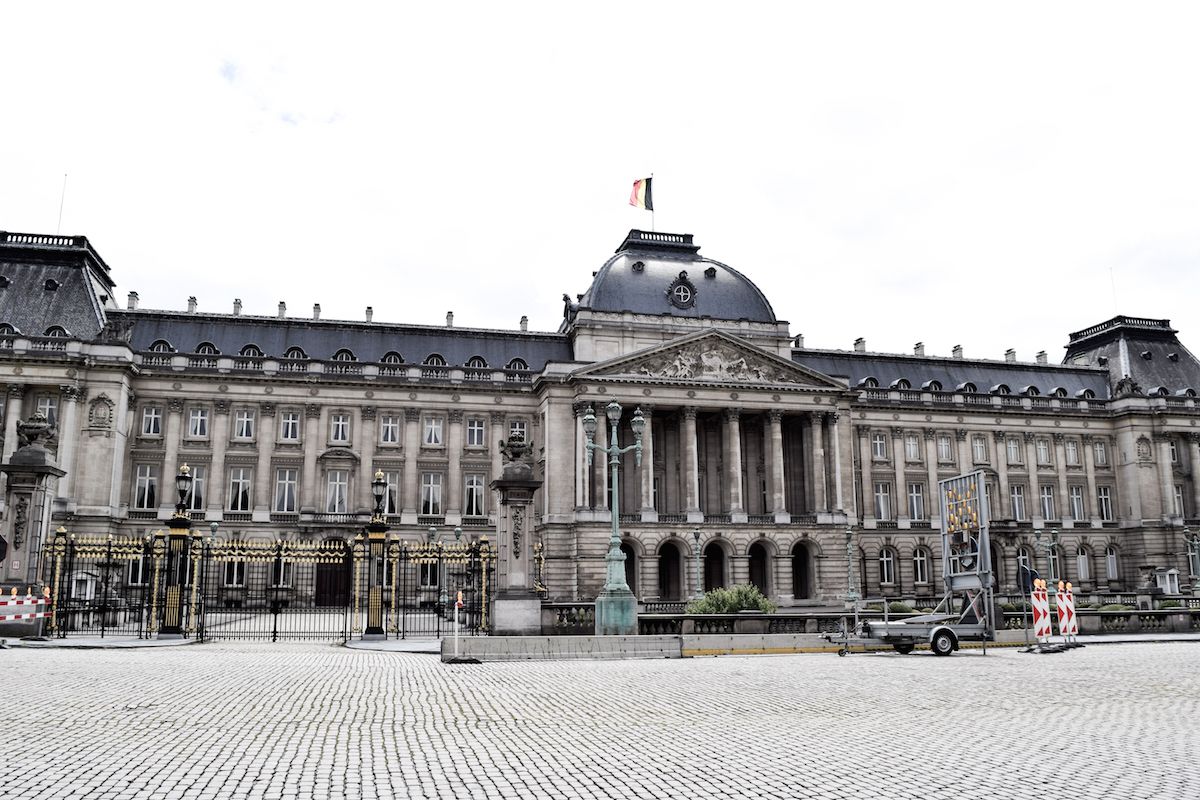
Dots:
pixel 183 485
pixel 696 591
pixel 616 607
pixel 376 551
pixel 1049 546
pixel 176 548
pixel 852 595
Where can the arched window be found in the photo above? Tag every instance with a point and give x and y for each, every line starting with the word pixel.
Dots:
pixel 869 383
pixel 207 349
pixel 392 358
pixel 1189 392
pixel 476 362
pixel 887 566
pixel 968 388
pixel 760 567
pixel 1053 564
pixel 295 353
pixel 434 360
pixel 1159 391
pixel 1085 394
pixel 921 561
pixel 344 355
pixel 670 572
pixel 251 351
pixel 162 346
pixel 1025 568
pixel 1112 564
pixel 631 566
pixel 932 386
pixel 714 567
pixel 6 329
pixel 517 363
pixel 1001 388
pixel 1030 391
pixel 901 383
pixel 1083 564
pixel 57 332
pixel 801 571
pixel 1059 392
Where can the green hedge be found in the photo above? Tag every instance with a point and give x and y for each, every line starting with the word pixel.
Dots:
pixel 744 597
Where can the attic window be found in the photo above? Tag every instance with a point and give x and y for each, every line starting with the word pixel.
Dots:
pixel 1030 391
pixel 4 282
pixel 1159 391
pixel 392 358
pixel 161 346
pixel 1001 388
pixel 207 349
pixel 1085 394
pixel 251 351
pixel 1172 356
pixel 639 266
pixel 517 363
pixel 435 360
pixel 1102 361
pixel 476 362
pixel 1059 392
pixel 52 285
pixel 343 355
pixel 295 353
pixel 868 383
pixel 1146 354
pixel 932 386
pixel 710 273
pixel 56 332
pixel 901 383
pixel 968 388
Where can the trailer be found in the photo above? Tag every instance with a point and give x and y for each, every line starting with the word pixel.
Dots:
pixel 965 612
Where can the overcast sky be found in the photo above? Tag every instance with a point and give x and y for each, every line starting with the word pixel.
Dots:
pixel 992 175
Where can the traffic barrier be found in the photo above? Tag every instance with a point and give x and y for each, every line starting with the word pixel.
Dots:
pixel 1071 628
pixel 1040 603
pixel 21 604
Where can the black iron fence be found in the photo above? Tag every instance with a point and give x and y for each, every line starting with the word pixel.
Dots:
pixel 193 586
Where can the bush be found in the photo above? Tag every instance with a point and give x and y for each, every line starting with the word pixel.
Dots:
pixel 896 607
pixel 1170 604
pixel 1115 607
pixel 744 597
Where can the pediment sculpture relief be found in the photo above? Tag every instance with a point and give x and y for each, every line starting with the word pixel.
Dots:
pixel 716 362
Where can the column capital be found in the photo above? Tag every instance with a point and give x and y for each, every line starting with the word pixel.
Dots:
pixel 929 433
pixel 863 431
pixel 498 417
pixel 221 405
pixel 580 407
pixel 16 391
pixel 175 405
pixel 647 411
pixel 775 416
pixel 412 414
pixel 688 412
pixel 832 417
pixel 312 411
pixel 1029 436
pixel 368 412
pixel 70 394
pixel 733 414
pixel 454 414
pixel 266 409
pixel 999 436
pixel 961 434
pixel 897 431
pixel 1193 437
pixel 1059 437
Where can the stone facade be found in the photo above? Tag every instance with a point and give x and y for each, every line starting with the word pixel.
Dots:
pixel 766 449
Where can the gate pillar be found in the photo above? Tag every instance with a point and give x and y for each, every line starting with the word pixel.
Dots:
pixel 178 557
pixel 518 606
pixel 376 553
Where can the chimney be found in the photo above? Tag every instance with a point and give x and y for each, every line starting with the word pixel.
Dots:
pixel 919 349
pixel 237 306
pixel 449 319
pixel 282 309
pixel 956 351
pixel 860 345
pixel 133 301
pixel 316 310
pixel 1041 357
pixel 1010 355
pixel 370 313
pixel 192 304
pixel 524 323
pixel 798 342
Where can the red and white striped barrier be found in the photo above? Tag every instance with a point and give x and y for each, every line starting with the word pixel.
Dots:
pixel 28 601
pixel 1068 620
pixel 1039 601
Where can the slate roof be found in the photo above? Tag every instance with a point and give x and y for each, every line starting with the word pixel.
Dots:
pixel 855 367
pixel 637 278
pixel 320 339
pixel 1147 350
pixel 29 261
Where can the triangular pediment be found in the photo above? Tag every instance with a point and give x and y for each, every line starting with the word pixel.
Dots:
pixel 708 357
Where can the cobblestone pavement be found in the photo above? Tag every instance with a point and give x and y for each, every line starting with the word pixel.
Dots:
pixel 299 721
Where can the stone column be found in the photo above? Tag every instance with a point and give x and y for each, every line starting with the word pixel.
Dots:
pixel 412 450
pixel 1034 500
pixel 1060 464
pixel 898 459
pixel 497 436
pixel 312 446
pixel 1166 476
pixel 219 440
pixel 820 501
pixel 68 435
pixel 1003 502
pixel 1194 463
pixel 368 436
pixel 868 481
pixel 649 512
pixel 12 415
pixel 454 478
pixel 933 507
pixel 265 439
pixel 600 459
pixel 1089 469
pixel 582 484
pixel 964 451
pixel 733 460
pixel 778 494
pixel 832 418
pixel 691 465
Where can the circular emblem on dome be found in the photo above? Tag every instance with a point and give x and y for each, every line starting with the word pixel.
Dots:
pixel 682 292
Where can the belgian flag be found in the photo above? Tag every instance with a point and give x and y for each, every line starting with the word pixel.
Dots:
pixel 641 196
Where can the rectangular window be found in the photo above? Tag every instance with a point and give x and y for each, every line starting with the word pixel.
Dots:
pixel 389 429
pixel 887 566
pixel 286 480
pixel 243 424
pixel 391 499
pixel 518 427
pixel 473 506
pixel 1101 451
pixel 1042 447
pixel 912 447
pixel 883 501
pixel 945 449
pixel 1014 451
pixel 336 485
pixel 198 423
pixel 916 501
pixel 989 491
pixel 1174 451
pixel 339 428
pixel 431 493
pixel 1178 500
pixel 878 445
pixel 138 572
pixel 145 487
pixel 1076 495
pixel 1104 503
pixel 1072 453
pixel 233 574
pixel 1083 566
pixel 195 498
pixel 47 406
pixel 979 449
pixel 920 566
pixel 429 576
pixel 281 573
pixel 433 432
pixel 1112 569
pixel 475 432
pixel 239 489
pixel 289 426
pixel 1047 496
pixel 152 421
pixel 1017 495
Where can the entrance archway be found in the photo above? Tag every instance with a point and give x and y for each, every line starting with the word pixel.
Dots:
pixel 714 567
pixel 801 572
pixel 630 567
pixel 669 564
pixel 760 561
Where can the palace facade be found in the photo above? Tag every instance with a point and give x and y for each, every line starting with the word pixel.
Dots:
pixel 759 454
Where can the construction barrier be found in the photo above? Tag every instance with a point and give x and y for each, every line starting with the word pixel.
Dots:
pixel 1040 603
pixel 14 608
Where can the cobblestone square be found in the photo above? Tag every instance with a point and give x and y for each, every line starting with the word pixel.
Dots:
pixel 318 721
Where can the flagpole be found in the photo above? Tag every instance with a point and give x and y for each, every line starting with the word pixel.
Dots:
pixel 652 207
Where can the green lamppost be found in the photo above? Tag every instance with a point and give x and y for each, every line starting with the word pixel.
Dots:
pixel 616 607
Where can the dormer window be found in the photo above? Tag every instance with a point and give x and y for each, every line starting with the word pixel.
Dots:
pixel 968 388
pixel 251 351
pixel 1030 391
pixel 435 360
pixel 207 349
pixel 343 355
pixel 162 346
pixel 476 362
pixel 295 353
pixel 392 358
pixel 868 383
pixel 1059 392
pixel 901 383
pixel 56 332
pixel 932 386
pixel 1085 394
pixel 1001 388
pixel 517 363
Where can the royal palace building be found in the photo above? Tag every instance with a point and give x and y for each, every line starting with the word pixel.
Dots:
pixel 759 454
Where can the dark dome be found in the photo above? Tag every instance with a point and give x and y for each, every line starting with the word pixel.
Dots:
pixel 663 273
